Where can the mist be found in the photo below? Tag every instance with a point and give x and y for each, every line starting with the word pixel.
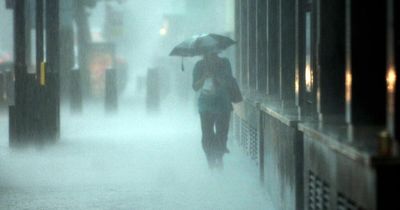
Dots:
pixel 147 152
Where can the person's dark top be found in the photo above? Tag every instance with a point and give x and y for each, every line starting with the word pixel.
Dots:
pixel 217 100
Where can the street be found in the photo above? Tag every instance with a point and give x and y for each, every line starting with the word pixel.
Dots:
pixel 133 160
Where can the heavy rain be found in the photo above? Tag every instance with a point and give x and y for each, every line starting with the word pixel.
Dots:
pixel 199 104
pixel 128 139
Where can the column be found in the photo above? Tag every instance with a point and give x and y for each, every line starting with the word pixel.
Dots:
pixel 397 60
pixel 52 71
pixel 299 55
pixel 393 84
pixel 252 44
pixel 17 113
pixel 244 43
pixel 274 48
pixel 331 61
pixel 288 53
pixel 261 46
pixel 238 39
pixel 366 62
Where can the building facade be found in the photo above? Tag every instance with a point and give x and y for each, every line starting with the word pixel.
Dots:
pixel 319 116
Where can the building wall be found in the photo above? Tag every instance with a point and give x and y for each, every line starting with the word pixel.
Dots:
pixel 321 98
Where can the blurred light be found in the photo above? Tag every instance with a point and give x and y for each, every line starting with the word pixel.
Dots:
pixel 391 79
pixel 309 78
pixel 96 35
pixel 349 81
pixel 163 31
pixel 165 27
pixel 297 84
pixel 98 64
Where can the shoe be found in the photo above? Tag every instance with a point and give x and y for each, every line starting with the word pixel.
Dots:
pixel 219 164
pixel 211 163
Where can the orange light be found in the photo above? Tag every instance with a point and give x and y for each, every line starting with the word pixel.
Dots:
pixel 391 78
pixel 349 81
pixel 297 84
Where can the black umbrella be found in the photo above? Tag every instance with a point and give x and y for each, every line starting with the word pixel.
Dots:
pixel 201 45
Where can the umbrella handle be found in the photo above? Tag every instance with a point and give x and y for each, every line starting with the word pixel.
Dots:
pixel 182 66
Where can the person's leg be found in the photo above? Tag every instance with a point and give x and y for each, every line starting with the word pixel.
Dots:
pixel 222 128
pixel 208 136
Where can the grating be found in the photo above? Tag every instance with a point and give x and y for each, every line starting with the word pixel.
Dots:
pixel 318 193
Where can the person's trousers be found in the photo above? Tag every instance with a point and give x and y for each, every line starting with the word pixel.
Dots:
pixel 214 127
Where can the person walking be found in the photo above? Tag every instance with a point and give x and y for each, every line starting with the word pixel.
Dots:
pixel 218 89
pixel 211 79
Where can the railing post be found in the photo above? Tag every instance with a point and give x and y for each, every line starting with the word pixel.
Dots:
pixel 16 111
pixel 152 90
pixel 75 90
pixel 111 91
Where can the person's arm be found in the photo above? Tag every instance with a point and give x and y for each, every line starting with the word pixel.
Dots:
pixel 199 77
pixel 228 67
pixel 199 83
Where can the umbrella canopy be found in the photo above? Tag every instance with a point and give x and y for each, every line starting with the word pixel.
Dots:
pixel 202 44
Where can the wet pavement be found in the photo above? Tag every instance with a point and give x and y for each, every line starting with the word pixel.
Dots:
pixel 132 160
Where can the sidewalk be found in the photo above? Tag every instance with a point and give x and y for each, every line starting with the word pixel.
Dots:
pixel 128 161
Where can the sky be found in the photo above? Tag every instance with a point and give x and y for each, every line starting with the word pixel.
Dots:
pixel 6 44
